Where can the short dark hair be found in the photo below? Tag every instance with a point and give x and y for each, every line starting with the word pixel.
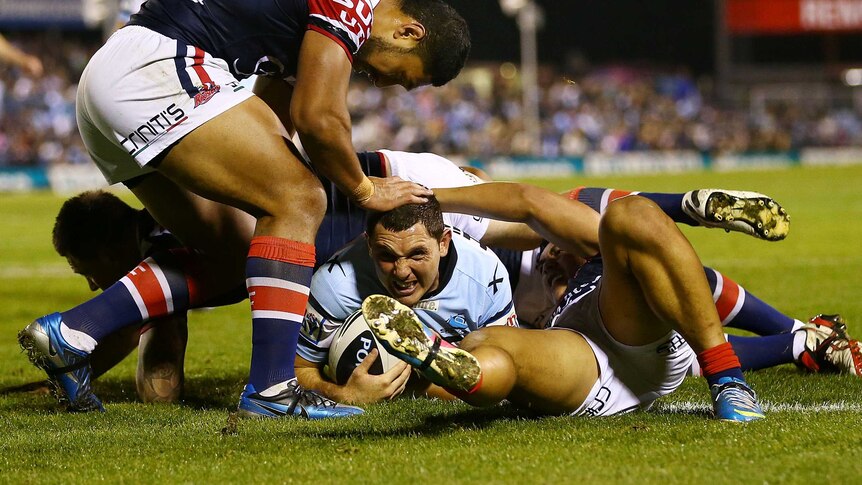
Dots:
pixel 91 222
pixel 408 215
pixel 446 44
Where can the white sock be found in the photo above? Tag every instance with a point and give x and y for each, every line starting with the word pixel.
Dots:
pixel 77 338
pixel 799 343
pixel 797 324
pixel 275 389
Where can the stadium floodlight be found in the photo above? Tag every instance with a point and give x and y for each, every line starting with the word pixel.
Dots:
pixel 529 17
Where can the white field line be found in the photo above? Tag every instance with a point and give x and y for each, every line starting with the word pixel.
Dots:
pixel 8 272
pixel 833 407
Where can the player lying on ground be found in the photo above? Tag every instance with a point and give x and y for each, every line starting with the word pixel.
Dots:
pixel 619 341
pixel 344 221
pixel 822 344
pixel 455 285
pixel 159 108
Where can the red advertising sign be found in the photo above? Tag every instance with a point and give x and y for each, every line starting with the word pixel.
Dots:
pixel 793 16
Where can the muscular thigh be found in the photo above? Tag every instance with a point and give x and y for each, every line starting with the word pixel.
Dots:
pixel 221 232
pixel 240 158
pixel 625 312
pixel 555 369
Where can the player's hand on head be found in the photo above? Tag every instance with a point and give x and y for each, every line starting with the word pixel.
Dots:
pixel 365 388
pixel 392 192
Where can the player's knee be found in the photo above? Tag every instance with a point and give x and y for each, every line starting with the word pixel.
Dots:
pixel 306 201
pixel 482 336
pixel 633 219
pixel 499 375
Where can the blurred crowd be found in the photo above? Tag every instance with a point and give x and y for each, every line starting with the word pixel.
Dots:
pixel 608 110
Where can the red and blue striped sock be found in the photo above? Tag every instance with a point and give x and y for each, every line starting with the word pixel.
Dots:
pixel 738 308
pixel 163 284
pixel 278 275
pixel 598 198
pixel 719 361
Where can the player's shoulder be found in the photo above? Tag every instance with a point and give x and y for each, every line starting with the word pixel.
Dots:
pixel 477 262
pixel 343 266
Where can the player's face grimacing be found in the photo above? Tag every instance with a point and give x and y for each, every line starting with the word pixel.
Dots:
pixel 407 262
pixel 556 267
pixel 387 64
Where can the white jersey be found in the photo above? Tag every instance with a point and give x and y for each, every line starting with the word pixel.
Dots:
pixel 436 172
pixel 473 292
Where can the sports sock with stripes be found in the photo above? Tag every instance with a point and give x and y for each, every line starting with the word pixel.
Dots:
pixel 598 198
pixel 278 275
pixel 738 308
pixel 719 361
pixel 162 284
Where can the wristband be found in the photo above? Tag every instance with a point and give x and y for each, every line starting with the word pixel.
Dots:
pixel 363 191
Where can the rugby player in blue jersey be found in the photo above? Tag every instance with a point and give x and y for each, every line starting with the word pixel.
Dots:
pixel 160 109
pixel 623 335
pixel 454 284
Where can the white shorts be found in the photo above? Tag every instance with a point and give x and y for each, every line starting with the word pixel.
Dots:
pixel 142 92
pixel 630 377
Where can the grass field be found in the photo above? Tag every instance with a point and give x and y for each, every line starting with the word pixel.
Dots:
pixel 813 433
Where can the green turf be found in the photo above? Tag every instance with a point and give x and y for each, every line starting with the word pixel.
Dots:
pixel 817 269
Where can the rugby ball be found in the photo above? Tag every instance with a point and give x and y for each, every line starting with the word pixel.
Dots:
pixel 351 343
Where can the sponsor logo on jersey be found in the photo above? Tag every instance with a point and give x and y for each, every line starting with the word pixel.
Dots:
pixel 573 296
pixel 430 305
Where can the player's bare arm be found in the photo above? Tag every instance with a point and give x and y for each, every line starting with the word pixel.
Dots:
pixel 361 387
pixel 319 113
pixel 569 224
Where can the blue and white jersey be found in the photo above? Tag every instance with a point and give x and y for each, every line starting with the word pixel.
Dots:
pixel 258 36
pixel 473 292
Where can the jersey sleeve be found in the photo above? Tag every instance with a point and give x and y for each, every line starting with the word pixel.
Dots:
pixel 324 314
pixel 347 22
pixel 435 172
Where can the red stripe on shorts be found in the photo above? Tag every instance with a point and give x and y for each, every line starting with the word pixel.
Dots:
pixel 198 66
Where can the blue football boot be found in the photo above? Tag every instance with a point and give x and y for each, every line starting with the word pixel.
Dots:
pixel 401 332
pixel 293 401
pixel 68 368
pixel 733 400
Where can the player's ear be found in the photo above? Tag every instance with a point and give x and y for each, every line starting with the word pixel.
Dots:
pixel 445 240
pixel 410 30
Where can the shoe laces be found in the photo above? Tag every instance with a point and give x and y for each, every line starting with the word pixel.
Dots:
pixel 738 395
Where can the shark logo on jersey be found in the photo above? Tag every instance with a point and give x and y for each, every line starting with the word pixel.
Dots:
pixel 458 322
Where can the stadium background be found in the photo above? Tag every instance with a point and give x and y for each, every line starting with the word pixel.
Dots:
pixel 621 86
pixel 658 87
